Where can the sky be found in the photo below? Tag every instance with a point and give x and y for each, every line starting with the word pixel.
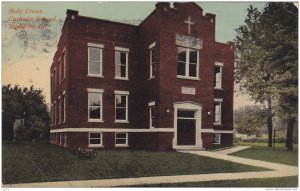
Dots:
pixel 27 54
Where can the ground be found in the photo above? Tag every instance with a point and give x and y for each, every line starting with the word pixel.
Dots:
pixel 26 162
pixel 260 151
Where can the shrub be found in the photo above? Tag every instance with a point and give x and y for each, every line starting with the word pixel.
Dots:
pixel 84 153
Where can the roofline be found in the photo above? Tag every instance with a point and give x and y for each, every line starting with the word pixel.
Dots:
pixel 108 21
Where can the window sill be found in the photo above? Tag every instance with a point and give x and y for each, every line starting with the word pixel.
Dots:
pixel 188 78
pixel 119 78
pixel 217 143
pixel 119 121
pixel 95 76
pixel 95 120
pixel 218 88
pixel 116 145
pixel 217 124
pixel 152 78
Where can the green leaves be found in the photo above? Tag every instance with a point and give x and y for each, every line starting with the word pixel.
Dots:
pixel 28 104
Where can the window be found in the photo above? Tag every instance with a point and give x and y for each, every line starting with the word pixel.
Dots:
pixel 121 139
pixel 95 59
pixel 121 106
pixel 60 138
pixel 188 63
pixel 217 138
pixel 63 105
pixel 57 75
pixel 63 65
pixel 217 111
pixel 59 110
pixel 95 139
pixel 121 63
pixel 59 72
pixel 218 75
pixel 65 139
pixel 95 105
pixel 152 114
pixel 54 79
pixel 54 113
pixel 152 60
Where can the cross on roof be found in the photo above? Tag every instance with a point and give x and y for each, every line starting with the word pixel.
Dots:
pixel 189 22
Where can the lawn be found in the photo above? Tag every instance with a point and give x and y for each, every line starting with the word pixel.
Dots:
pixel 41 162
pixel 264 182
pixel 260 151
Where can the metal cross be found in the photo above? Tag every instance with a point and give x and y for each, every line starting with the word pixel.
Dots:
pixel 189 22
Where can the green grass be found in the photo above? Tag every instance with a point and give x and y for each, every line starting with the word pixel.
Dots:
pixel 42 162
pixel 260 151
pixel 265 182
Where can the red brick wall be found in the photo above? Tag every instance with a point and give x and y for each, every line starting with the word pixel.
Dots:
pixel 161 27
pixel 207 139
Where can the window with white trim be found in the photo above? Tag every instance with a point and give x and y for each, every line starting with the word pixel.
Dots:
pixel 65 139
pixel 63 105
pixel 95 139
pixel 59 72
pixel 217 138
pixel 188 63
pixel 121 106
pixel 60 138
pixel 54 79
pixel 59 110
pixel 95 105
pixel 54 113
pixel 152 60
pixel 58 75
pixel 218 75
pixel 95 60
pixel 151 114
pixel 217 113
pixel 63 65
pixel 121 139
pixel 121 59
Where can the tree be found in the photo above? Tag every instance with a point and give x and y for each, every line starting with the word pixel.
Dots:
pixel 267 57
pixel 253 72
pixel 281 19
pixel 249 120
pixel 28 104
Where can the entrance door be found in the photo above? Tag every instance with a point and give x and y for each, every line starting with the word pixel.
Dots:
pixel 186 127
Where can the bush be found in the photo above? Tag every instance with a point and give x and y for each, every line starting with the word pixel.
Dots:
pixel 84 153
pixel 264 140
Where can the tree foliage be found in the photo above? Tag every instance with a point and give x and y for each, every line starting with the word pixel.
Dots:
pixel 24 103
pixel 249 120
pixel 267 60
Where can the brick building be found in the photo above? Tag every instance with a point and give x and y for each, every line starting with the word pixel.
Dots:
pixel 164 84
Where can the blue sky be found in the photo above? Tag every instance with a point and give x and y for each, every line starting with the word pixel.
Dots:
pixel 29 54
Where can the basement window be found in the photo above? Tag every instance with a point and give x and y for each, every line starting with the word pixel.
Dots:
pixel 217 138
pixel 121 139
pixel 95 139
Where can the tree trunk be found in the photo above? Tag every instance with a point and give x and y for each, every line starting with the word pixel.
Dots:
pixel 289 133
pixel 269 122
